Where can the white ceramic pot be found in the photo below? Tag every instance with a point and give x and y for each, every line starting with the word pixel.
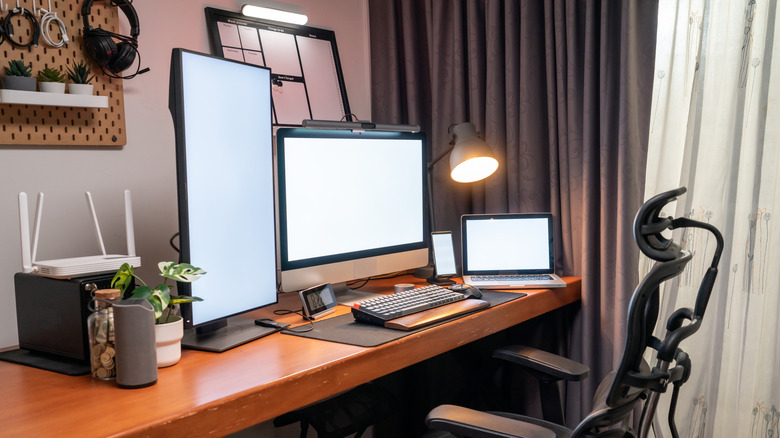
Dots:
pixel 52 87
pixel 168 341
pixel 80 89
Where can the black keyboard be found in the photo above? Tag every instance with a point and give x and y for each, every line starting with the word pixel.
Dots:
pixel 528 277
pixel 379 310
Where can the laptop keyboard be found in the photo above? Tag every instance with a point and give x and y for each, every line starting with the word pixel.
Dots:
pixel 534 277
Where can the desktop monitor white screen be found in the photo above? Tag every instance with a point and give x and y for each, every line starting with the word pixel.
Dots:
pixel 346 196
pixel 226 185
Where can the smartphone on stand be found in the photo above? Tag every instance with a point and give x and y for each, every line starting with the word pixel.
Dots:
pixel 443 258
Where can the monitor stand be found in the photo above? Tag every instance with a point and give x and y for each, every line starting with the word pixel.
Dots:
pixel 347 297
pixel 224 334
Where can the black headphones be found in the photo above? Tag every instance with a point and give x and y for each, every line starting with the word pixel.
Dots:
pixel 100 47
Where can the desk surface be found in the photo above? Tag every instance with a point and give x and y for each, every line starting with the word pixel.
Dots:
pixel 210 394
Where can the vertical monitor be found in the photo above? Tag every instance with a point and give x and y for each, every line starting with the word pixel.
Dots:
pixel 224 163
pixel 351 205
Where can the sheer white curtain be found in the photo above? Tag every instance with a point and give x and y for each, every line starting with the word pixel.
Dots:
pixel 715 128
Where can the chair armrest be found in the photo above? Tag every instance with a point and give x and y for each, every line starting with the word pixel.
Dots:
pixel 470 423
pixel 542 362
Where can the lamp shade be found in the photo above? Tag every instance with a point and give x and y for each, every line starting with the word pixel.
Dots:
pixel 274 14
pixel 471 158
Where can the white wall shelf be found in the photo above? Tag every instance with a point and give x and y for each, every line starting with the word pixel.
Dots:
pixel 53 99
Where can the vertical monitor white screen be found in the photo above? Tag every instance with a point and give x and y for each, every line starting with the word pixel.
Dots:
pixel 226 185
pixel 347 195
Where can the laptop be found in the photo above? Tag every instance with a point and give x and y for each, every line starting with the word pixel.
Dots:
pixel 509 251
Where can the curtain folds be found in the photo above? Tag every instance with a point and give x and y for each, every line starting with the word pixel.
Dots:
pixel 561 89
pixel 716 88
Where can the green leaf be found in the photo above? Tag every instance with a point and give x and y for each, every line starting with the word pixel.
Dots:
pixel 123 278
pixel 162 294
pixel 143 292
pixel 158 308
pixel 178 299
pixel 158 297
pixel 183 272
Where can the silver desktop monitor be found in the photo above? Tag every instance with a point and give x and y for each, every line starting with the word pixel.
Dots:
pixel 352 205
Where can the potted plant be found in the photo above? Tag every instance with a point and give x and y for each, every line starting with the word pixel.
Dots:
pixel 80 79
pixel 18 76
pixel 169 327
pixel 51 80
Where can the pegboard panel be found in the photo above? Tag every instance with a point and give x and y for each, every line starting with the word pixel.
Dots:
pixel 39 125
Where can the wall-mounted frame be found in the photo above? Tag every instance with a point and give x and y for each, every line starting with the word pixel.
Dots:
pixel 304 62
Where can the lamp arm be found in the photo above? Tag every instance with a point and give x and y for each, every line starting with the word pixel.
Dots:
pixel 431 217
pixel 443 154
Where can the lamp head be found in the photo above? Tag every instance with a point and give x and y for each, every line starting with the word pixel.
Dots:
pixel 471 158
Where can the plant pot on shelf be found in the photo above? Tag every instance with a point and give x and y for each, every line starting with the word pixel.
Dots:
pixel 52 87
pixel 22 83
pixel 168 341
pixel 81 89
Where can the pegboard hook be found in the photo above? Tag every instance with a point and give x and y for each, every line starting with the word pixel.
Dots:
pixel 21 8
pixel 3 6
pixel 42 11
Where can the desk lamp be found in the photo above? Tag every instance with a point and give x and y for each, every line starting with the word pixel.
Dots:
pixel 471 160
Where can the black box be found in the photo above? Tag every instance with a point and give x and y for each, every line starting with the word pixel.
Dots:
pixel 51 314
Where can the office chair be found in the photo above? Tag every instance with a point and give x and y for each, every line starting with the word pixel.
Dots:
pixel 634 382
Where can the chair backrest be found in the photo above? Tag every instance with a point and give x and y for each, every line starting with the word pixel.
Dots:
pixel 634 381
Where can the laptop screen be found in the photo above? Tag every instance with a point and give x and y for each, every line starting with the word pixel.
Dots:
pixel 509 243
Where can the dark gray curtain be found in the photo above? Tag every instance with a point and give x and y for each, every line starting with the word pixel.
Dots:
pixel 561 89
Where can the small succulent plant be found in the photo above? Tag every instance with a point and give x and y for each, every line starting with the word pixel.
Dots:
pixel 50 74
pixel 80 73
pixel 18 68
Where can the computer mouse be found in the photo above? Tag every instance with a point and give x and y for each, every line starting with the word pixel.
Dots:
pixel 468 290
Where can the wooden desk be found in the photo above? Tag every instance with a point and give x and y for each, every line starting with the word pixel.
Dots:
pixel 210 394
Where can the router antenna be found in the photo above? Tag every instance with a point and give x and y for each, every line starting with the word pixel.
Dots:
pixel 95 219
pixel 24 230
pixel 129 224
pixel 37 229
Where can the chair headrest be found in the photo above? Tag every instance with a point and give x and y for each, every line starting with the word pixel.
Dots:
pixel 649 225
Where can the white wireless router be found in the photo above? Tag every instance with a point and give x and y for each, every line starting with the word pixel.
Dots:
pixel 75 266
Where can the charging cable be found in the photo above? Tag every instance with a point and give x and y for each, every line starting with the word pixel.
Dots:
pixel 9 28
pixel 49 17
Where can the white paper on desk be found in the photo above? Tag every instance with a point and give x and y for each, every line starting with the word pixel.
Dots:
pixel 231 53
pixel 290 103
pixel 322 81
pixel 252 57
pixel 280 53
pixel 228 34
pixel 249 38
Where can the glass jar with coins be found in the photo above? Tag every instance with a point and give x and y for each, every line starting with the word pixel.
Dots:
pixel 100 325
